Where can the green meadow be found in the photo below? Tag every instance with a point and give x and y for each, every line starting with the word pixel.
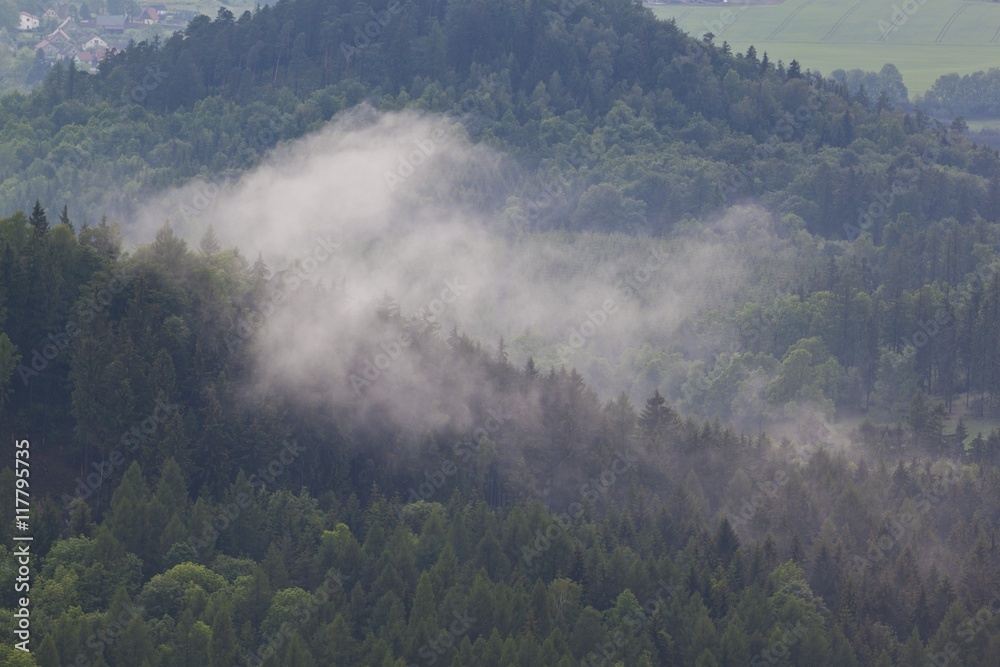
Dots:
pixel 923 39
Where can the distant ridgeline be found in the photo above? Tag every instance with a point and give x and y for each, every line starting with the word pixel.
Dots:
pixel 692 127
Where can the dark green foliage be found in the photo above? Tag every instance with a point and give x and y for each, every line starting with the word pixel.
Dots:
pixel 706 546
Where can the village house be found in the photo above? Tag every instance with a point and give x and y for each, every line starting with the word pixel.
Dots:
pixel 149 16
pixel 94 43
pixel 111 22
pixel 55 45
pixel 56 51
pixel 29 22
pixel 86 60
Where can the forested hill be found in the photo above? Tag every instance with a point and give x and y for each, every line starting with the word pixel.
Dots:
pixel 199 499
pixel 582 92
pixel 180 519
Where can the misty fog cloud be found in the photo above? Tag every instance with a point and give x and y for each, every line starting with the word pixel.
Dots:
pixel 390 192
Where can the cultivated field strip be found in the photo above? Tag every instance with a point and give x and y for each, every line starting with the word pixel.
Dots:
pixel 954 17
pixel 788 19
pixel 841 20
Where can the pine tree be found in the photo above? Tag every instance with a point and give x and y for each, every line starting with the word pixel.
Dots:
pixel 959 438
pixel 423 616
pixel 39 221
pixel 47 655
pixel 297 653
pixel 726 541
pixel 64 217
pixel 128 518
pixel 501 355
pixel 209 244
pixel 913 652
pixel 135 645
pixel 223 647
pixel 657 417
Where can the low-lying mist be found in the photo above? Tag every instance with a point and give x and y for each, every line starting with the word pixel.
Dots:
pixel 400 205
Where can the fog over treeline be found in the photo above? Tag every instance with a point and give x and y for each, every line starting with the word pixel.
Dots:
pixel 518 334
pixel 396 205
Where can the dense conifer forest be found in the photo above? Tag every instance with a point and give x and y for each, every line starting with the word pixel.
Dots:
pixel 801 472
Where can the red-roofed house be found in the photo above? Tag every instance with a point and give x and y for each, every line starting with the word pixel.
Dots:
pixel 149 16
pixel 86 59
pixel 59 36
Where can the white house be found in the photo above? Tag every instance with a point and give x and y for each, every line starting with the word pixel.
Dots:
pixel 95 43
pixel 29 22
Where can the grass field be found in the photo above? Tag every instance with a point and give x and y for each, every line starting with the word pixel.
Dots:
pixel 935 38
pixel 984 124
